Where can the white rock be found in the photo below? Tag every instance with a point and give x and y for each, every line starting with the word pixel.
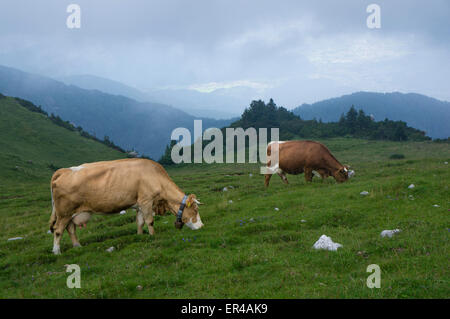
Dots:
pixel 277 209
pixel 230 201
pixel 123 212
pixel 303 221
pixel 326 243
pixel 364 193
pixel 250 174
pixel 436 205
pixel 110 249
pixel 389 233
pixel 15 238
pixel 225 189
pixel 446 163
pixel 411 186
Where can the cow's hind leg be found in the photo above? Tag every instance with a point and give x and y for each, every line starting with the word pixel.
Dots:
pixel 72 230
pixel 60 225
pixel 308 174
pixel 140 222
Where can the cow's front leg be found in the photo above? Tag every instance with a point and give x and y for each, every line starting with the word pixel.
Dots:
pixel 267 179
pixel 72 230
pixel 283 176
pixel 148 217
pixel 140 222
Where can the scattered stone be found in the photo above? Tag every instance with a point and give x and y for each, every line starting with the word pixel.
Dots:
pixel 446 163
pixel 364 193
pixel 362 253
pixel 15 238
pixel 411 186
pixel 230 201
pixel 251 220
pixel 389 233
pixel 303 221
pixel 139 287
pixel 326 243
pixel 110 249
pixel 123 212
pixel 436 205
pixel 230 187
pixel 277 209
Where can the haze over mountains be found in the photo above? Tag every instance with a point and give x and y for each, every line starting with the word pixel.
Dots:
pixel 419 111
pixel 133 120
pixel 217 104
pixel 144 127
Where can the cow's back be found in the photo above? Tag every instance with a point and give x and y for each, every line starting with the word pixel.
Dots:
pixel 105 187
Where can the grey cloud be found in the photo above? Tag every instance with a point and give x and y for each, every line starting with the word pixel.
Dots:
pixel 308 50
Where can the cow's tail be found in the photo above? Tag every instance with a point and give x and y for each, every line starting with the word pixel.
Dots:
pixel 52 221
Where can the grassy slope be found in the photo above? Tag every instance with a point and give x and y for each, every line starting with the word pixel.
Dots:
pixel 268 257
pixel 27 136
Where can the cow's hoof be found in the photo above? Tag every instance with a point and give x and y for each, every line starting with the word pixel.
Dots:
pixel 57 252
pixel 77 245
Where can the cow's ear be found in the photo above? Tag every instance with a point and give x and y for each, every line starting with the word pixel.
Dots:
pixel 190 200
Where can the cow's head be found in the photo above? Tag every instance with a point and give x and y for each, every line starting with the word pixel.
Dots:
pixel 341 175
pixel 190 215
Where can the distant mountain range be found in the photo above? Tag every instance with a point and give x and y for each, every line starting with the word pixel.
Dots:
pixel 217 104
pixel 418 111
pixel 143 126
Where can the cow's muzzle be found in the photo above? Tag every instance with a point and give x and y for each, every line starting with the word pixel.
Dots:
pixel 178 224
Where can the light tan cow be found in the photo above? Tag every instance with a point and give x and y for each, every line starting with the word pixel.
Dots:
pixel 112 186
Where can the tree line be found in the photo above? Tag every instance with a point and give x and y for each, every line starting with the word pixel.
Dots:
pixel 355 123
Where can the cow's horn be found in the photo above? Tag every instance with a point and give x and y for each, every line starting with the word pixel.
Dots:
pixel 198 203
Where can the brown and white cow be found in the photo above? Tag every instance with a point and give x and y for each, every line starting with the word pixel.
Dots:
pixel 296 157
pixel 112 186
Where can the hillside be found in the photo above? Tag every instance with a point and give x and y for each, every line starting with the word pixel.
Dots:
pixel 418 111
pixel 32 146
pixel 145 127
pixel 257 242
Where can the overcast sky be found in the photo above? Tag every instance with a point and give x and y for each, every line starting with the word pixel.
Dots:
pixel 295 51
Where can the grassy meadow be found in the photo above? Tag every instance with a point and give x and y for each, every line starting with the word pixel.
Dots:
pixel 257 242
